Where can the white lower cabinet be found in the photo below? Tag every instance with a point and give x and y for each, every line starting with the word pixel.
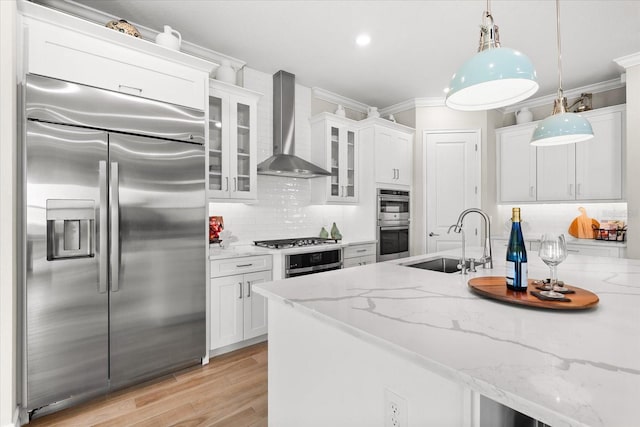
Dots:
pixel 237 313
pixel 359 254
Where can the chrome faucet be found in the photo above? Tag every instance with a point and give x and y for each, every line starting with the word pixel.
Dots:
pixel 486 253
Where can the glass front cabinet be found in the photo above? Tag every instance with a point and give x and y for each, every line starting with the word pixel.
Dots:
pixel 335 148
pixel 232 142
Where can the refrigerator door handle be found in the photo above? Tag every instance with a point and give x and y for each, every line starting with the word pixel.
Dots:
pixel 115 228
pixel 103 230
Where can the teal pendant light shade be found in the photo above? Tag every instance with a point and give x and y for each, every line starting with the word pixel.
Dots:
pixel 491 79
pixel 561 127
pixel 494 77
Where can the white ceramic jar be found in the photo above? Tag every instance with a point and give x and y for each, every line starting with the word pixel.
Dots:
pixel 169 38
pixel 523 115
pixel 225 72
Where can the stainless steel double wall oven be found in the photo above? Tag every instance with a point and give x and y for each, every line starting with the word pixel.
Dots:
pixel 393 224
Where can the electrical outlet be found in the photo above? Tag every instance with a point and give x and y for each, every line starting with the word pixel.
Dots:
pixel 395 410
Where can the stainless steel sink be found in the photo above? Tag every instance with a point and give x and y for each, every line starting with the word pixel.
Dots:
pixel 443 265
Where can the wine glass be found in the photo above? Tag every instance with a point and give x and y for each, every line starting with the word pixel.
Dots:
pixel 553 250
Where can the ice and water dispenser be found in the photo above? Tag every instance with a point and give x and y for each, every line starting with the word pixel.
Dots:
pixel 70 229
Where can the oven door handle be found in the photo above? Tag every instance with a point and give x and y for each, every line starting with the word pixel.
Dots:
pixel 394 199
pixel 316 268
pixel 397 227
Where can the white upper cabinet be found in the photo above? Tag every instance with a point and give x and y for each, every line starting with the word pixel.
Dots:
pixel 335 148
pixel 393 151
pixel 591 170
pixel 517 164
pixel 232 143
pixel 61 46
pixel 556 170
pixel 599 165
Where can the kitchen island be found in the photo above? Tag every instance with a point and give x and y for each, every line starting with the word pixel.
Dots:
pixel 341 340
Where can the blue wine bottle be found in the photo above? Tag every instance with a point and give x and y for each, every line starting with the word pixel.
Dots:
pixel 516 256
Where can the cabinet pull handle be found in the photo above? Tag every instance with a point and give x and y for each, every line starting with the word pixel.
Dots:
pixel 531 191
pixel 398 176
pixel 571 189
pixel 577 189
pixel 433 234
pixel 573 250
pixel 244 265
pixel 249 289
pixel 131 88
pixel 235 184
pixel 240 286
pixel 361 250
pixel 227 181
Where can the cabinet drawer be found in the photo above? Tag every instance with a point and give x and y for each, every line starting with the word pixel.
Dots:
pixel 593 251
pixel 362 260
pixel 231 266
pixel 352 251
pixel 67 55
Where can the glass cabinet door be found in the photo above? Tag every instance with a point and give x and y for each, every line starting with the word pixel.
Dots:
pixel 215 144
pixel 351 156
pixel 335 161
pixel 243 152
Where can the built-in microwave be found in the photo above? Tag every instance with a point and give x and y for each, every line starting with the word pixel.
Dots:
pixel 393 224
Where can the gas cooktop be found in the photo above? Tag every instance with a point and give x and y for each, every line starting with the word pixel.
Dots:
pixel 293 243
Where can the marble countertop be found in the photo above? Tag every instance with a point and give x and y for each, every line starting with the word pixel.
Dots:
pixel 565 368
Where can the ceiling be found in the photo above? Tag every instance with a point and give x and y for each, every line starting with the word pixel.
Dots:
pixel 415 45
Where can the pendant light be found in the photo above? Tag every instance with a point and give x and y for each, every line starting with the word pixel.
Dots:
pixel 561 127
pixel 494 77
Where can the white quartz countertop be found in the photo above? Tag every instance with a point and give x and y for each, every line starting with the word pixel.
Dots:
pixel 565 368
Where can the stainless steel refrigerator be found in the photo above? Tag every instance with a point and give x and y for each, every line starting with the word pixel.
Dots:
pixel 114 239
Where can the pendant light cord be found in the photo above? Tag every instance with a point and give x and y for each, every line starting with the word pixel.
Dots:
pixel 560 91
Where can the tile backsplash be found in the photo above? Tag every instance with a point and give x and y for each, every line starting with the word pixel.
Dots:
pixel 542 218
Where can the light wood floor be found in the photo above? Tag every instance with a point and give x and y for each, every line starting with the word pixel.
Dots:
pixel 230 391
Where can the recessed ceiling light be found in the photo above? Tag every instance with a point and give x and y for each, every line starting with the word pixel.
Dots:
pixel 363 40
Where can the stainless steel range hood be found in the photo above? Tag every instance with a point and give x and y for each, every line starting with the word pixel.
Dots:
pixel 284 162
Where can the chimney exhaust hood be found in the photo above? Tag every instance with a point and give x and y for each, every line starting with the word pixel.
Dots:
pixel 284 162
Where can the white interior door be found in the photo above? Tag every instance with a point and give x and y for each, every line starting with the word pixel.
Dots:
pixel 452 185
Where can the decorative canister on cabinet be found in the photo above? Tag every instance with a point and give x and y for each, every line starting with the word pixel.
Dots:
pixel 373 112
pixel 226 73
pixel 169 38
pixel 523 115
pixel 340 111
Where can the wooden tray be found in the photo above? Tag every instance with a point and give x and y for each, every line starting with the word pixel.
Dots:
pixel 495 287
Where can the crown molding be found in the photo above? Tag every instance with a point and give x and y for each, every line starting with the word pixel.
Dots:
pixel 572 93
pixel 628 60
pixel 98 17
pixel 412 104
pixel 349 103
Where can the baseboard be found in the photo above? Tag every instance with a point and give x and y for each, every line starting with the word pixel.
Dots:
pixel 237 346
pixel 16 419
